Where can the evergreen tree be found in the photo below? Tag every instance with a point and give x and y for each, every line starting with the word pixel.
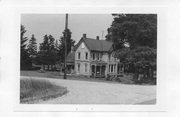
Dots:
pixel 23 39
pixel 56 45
pixel 57 49
pixel 32 48
pixel 70 42
pixel 47 54
pixel 52 50
pixel 25 62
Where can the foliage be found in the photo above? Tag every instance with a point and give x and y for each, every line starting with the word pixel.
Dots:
pixel 25 62
pixel 138 56
pixel 141 60
pixel 32 48
pixel 47 54
pixel 136 29
pixel 23 39
pixel 134 38
pixel 69 41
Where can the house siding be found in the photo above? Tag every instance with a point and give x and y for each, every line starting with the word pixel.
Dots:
pixel 111 63
pixel 105 57
pixel 82 61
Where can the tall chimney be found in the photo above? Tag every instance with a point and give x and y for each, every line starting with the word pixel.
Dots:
pixel 84 35
pixel 97 37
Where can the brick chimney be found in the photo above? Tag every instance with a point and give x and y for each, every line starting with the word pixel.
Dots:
pixel 84 35
pixel 97 37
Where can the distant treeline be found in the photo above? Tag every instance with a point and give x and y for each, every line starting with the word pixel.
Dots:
pixel 50 51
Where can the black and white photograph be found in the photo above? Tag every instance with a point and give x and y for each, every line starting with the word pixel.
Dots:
pixel 88 58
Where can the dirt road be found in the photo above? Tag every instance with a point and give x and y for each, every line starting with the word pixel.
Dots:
pixel 85 92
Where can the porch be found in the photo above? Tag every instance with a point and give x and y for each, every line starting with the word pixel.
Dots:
pixel 101 69
pixel 98 69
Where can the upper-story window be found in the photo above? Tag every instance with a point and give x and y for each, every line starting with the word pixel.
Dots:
pixel 78 67
pixel 98 57
pixel 86 55
pixel 79 55
pixel 82 45
pixel 112 66
pixel 93 56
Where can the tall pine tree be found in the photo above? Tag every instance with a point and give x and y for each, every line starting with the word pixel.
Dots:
pixel 25 62
pixel 70 43
pixel 32 48
pixel 47 54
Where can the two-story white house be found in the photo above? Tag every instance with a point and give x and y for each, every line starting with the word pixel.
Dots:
pixel 94 57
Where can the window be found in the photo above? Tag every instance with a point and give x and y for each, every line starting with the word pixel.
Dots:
pixel 93 56
pixel 79 55
pixel 115 68
pixel 86 55
pixel 111 68
pixel 86 67
pixel 78 67
pixel 97 56
pixel 82 45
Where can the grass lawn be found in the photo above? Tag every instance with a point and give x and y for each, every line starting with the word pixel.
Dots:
pixel 126 79
pixel 33 90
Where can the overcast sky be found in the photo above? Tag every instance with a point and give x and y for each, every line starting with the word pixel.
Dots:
pixel 91 24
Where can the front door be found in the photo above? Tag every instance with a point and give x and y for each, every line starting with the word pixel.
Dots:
pixel 98 70
pixel 103 70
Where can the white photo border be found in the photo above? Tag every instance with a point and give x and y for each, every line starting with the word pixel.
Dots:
pixel 160 105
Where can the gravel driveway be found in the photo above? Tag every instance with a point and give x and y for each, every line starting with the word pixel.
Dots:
pixel 85 92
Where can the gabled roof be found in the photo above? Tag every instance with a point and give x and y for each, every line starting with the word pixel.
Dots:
pixel 70 57
pixel 96 45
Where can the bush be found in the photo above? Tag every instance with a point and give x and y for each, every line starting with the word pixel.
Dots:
pixel 109 77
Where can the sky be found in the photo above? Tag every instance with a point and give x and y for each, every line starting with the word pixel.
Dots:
pixel 91 24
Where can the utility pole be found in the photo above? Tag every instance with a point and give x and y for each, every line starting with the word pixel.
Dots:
pixel 65 42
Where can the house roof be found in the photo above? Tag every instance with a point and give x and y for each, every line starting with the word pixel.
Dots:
pixel 70 57
pixel 96 45
pixel 98 62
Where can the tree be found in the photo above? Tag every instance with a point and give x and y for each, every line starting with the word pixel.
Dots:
pixel 23 39
pixel 32 48
pixel 70 43
pixel 139 31
pixel 141 60
pixel 47 54
pixel 52 51
pixel 56 45
pixel 25 62
pixel 136 29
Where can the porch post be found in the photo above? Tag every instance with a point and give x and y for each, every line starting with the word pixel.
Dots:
pixel 100 70
pixel 106 70
pixel 116 69
pixel 95 70
pixel 90 70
